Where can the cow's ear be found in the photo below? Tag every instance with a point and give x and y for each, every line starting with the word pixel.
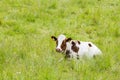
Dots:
pixel 54 38
pixel 78 42
pixel 68 39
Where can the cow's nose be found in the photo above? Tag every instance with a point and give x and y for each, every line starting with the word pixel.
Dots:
pixel 58 50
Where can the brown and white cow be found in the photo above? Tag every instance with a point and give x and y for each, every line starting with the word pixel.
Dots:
pixel 75 48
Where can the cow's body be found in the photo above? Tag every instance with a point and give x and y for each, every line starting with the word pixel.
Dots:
pixel 74 48
pixel 79 49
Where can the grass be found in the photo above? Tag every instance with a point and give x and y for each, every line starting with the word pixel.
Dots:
pixel 28 53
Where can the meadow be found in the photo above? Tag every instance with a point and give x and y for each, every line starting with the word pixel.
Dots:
pixel 27 51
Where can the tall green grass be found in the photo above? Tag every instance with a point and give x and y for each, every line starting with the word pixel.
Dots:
pixel 28 53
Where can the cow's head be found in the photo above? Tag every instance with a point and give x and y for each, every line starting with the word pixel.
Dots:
pixel 61 42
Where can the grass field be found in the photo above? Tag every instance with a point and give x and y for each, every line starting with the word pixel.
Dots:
pixel 28 53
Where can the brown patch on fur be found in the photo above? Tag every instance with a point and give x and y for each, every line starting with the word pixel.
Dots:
pixel 74 47
pixel 89 45
pixel 63 45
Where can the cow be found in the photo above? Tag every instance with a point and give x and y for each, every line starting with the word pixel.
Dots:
pixel 74 48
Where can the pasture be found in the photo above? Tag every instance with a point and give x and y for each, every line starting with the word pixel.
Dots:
pixel 27 51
